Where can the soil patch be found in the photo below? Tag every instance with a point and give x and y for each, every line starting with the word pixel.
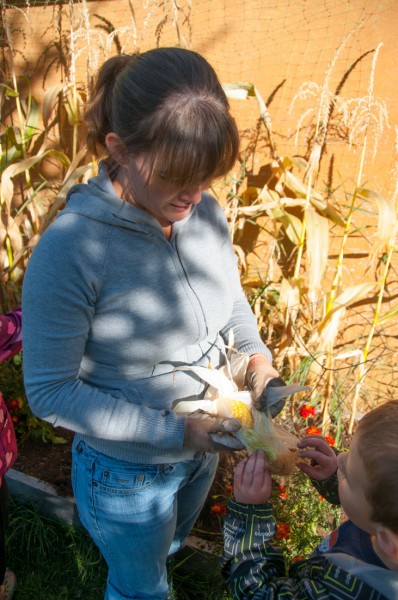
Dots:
pixel 48 462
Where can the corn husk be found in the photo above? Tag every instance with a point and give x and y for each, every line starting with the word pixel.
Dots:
pixel 278 445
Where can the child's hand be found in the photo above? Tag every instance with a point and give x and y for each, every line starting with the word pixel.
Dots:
pixel 323 457
pixel 252 480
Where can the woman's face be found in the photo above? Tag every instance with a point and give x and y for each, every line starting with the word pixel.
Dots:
pixel 158 197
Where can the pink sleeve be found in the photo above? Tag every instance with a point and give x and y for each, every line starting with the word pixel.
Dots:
pixel 10 333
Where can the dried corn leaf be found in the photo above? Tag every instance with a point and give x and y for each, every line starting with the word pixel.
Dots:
pixel 291 224
pixel 327 329
pixel 388 316
pixel 387 226
pixel 289 298
pixel 317 244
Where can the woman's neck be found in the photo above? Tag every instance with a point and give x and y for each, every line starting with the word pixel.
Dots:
pixel 167 230
pixel 120 192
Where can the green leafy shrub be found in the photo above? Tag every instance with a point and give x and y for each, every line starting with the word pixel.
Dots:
pixel 303 517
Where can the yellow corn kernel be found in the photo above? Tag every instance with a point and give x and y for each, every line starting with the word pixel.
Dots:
pixel 242 412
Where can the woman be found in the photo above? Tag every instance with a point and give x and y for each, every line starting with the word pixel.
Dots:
pixel 137 276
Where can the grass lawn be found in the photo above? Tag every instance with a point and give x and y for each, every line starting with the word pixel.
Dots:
pixel 55 561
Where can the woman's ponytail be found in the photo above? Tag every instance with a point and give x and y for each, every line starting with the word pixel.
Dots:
pixel 98 114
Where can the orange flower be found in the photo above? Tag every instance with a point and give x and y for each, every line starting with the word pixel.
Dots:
pixel 229 488
pixel 313 430
pixel 283 495
pixel 219 510
pixel 307 411
pixel 330 440
pixel 282 531
pixel 297 558
pixel 321 498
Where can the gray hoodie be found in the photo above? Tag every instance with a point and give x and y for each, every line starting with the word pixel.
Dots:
pixel 110 308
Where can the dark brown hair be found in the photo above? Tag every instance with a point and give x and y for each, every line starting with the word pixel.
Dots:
pixel 169 104
pixel 378 447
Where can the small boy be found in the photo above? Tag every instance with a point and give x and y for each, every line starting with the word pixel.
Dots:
pixel 360 559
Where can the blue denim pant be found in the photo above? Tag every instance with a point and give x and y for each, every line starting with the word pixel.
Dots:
pixel 138 515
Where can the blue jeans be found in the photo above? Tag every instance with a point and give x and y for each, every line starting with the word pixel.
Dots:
pixel 138 515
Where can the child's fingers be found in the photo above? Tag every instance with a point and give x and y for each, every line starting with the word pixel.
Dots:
pixel 248 472
pixel 257 470
pixel 252 480
pixel 313 441
pixel 307 469
pixel 319 457
pixel 318 446
pixel 261 472
pixel 251 470
pixel 323 465
pixel 260 465
pixel 239 470
pixel 318 473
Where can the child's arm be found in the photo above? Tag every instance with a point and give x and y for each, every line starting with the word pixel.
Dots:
pixel 248 527
pixel 323 468
pixel 252 563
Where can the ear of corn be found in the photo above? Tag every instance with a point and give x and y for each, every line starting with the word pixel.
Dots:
pixel 242 412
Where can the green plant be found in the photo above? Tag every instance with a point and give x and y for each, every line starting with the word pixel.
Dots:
pixel 303 517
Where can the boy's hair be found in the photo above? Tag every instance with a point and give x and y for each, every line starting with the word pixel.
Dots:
pixel 168 104
pixel 378 447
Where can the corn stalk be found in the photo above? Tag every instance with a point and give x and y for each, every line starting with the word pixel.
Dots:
pixel 388 228
pixel 74 112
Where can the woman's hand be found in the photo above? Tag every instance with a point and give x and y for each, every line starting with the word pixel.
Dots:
pixel 259 375
pixel 252 480
pixel 211 434
pixel 322 456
